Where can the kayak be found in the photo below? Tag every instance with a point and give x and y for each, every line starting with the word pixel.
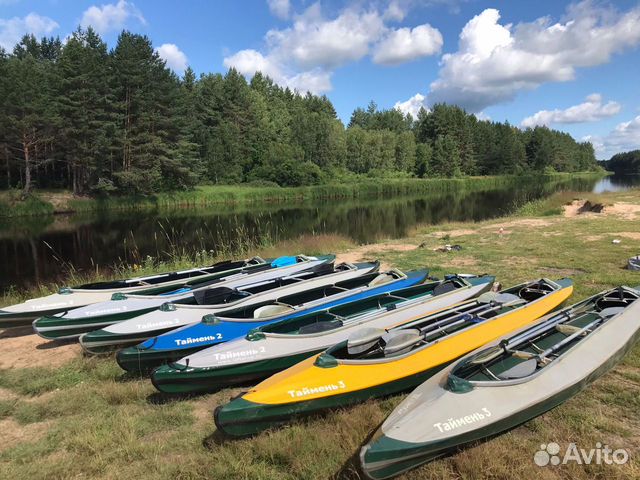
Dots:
pixel 509 382
pixel 68 298
pixel 277 346
pixel 374 363
pixel 212 330
pixel 171 316
pixel 73 323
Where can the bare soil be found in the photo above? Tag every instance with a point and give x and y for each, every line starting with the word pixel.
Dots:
pixel 22 348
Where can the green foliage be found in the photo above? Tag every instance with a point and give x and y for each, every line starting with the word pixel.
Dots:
pixel 119 122
pixel 625 162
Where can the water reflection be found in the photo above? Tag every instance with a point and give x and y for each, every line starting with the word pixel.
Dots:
pixel 37 250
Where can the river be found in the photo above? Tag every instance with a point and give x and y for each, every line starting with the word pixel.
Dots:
pixel 43 249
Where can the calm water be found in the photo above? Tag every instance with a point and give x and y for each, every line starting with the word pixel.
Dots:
pixel 42 249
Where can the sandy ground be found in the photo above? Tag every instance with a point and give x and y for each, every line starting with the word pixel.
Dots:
pixel 622 209
pixel 13 433
pixel 368 252
pixel 22 348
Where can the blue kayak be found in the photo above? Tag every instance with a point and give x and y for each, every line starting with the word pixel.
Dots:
pixel 214 329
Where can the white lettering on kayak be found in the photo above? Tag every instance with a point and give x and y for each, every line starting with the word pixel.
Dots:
pixel 165 323
pixel 453 423
pixel 320 389
pixel 239 354
pixel 42 306
pixel 189 341
pixel 105 311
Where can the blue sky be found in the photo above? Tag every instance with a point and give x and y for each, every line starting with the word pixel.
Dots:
pixel 571 65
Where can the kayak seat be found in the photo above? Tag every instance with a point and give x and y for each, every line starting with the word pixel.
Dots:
pixel 444 287
pixel 380 280
pixel 534 292
pixel 401 341
pixel 320 327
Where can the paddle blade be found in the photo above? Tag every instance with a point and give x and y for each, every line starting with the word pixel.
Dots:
pixel 363 340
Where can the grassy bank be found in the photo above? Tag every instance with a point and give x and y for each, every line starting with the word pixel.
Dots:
pixel 84 418
pixel 47 202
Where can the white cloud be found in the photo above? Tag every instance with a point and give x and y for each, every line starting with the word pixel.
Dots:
pixel 175 58
pixel 589 111
pixel 305 55
pixel 13 29
pixel 111 16
pixel 624 137
pixel 412 106
pixel 495 61
pixel 396 10
pixel 280 8
pixel 313 41
pixel 248 62
pixel 405 44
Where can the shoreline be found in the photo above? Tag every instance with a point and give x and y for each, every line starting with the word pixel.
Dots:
pixel 62 202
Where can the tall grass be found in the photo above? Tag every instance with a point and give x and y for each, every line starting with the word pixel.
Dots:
pixel 206 195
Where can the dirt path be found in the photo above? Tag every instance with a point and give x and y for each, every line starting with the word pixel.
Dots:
pixel 22 348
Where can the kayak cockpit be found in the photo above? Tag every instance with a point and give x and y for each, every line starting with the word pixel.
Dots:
pixel 349 313
pixel 519 358
pixel 171 276
pixel 379 345
pixel 288 303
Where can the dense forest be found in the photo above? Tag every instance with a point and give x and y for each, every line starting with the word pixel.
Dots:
pixel 625 162
pixel 80 116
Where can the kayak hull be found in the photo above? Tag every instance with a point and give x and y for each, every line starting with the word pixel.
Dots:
pixel 171 378
pixel 52 327
pixel 84 295
pixel 241 418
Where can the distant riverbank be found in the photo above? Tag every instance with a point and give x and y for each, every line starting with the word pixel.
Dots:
pixel 48 202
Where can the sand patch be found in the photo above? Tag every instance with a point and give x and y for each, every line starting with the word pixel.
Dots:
pixel 625 210
pixel 564 272
pixel 461 262
pixel 630 235
pixel 7 394
pixel 609 236
pixel 454 233
pixel 13 433
pixel 369 251
pixel 523 222
pixel 620 209
pixel 30 350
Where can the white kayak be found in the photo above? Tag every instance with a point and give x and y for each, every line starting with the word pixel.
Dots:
pixel 68 298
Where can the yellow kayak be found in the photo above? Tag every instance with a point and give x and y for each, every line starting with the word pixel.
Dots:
pixel 376 363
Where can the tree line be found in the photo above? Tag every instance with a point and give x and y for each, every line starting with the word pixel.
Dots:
pixel 624 162
pixel 98 121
